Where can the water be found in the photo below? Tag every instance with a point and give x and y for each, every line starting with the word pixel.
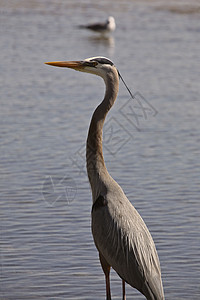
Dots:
pixel 47 251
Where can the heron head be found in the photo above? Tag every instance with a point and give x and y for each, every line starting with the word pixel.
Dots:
pixel 96 65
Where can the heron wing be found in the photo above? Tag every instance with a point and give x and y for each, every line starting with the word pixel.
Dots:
pixel 122 237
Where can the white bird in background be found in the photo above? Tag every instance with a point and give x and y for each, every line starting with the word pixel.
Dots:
pixel 120 234
pixel 102 28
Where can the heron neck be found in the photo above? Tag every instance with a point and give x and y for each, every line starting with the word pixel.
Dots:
pixel 96 169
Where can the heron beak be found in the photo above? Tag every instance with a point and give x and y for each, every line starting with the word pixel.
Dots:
pixel 76 65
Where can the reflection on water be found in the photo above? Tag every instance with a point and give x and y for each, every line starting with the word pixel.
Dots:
pixel 101 41
pixel 47 251
pixel 107 41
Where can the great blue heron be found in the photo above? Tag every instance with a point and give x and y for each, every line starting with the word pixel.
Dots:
pixel 105 27
pixel 120 234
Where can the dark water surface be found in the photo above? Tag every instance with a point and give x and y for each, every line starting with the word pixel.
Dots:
pixel 151 144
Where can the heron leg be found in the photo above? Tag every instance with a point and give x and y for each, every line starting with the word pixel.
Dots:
pixel 123 290
pixel 106 270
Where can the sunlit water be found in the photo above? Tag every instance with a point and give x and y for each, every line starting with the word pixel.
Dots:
pixel 151 144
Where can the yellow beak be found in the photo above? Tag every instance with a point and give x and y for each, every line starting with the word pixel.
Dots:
pixel 76 65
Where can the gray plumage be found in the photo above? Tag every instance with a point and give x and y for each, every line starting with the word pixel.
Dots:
pixel 120 234
pixel 103 27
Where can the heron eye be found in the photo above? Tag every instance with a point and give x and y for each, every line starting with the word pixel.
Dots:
pixel 94 63
pixel 86 64
pixel 90 63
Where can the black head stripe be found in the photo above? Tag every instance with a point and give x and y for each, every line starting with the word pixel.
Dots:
pixel 103 60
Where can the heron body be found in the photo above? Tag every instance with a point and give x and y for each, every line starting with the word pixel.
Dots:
pixel 120 234
pixel 105 27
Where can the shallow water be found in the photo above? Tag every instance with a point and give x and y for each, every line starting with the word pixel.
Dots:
pixel 153 151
